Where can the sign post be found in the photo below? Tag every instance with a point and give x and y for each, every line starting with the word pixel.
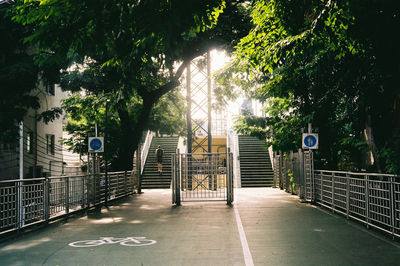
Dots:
pixel 95 145
pixel 309 142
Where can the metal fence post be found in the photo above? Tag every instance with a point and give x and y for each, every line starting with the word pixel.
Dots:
pixel 106 192
pixel 392 207
pixel 178 178
pixel 333 192
pixel 347 195
pixel 291 165
pixel 173 178
pixel 232 189
pixel 118 185
pixel 138 169
pixel 275 168
pixel 94 188
pixel 229 177
pixel 83 192
pixel 46 199
pixel 366 178
pixel 126 188
pixel 19 203
pixel 321 192
pixel 312 176
pixel 301 174
pixel 67 194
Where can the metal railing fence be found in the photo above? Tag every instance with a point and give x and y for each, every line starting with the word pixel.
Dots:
pixel 31 201
pixel 372 199
pixel 290 172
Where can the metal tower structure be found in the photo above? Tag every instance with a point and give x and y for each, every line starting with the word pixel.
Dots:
pixel 198 97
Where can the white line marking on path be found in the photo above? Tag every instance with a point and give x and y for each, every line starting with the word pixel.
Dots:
pixel 248 259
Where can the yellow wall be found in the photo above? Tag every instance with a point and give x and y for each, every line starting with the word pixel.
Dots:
pixel 218 144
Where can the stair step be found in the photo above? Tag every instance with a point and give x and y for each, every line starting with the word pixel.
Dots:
pixel 150 177
pixel 255 164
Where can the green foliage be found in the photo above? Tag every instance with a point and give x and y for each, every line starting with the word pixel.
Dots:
pixel 127 49
pixel 292 181
pixel 86 110
pixel 336 65
pixel 18 75
pixel 280 127
pixel 169 115
pixel 83 113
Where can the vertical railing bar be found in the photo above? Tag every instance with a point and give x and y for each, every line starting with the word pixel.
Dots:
pixel 321 190
pixel 347 195
pixel 392 207
pixel 366 178
pixel 83 193
pixel 173 178
pixel 179 178
pixel 333 192
pixel 227 177
pixel 312 176
pixel 18 208
pixel 46 199
pixel 117 190
pixel 94 179
pixel 127 190
pixel 66 194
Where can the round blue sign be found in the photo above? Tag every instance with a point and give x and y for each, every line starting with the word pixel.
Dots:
pixel 95 144
pixel 310 141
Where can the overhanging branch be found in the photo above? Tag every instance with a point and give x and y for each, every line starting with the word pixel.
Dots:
pixel 173 83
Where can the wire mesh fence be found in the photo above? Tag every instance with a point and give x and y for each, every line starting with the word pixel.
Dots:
pixel 29 201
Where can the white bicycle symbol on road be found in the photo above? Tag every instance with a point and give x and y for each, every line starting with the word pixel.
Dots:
pixel 127 241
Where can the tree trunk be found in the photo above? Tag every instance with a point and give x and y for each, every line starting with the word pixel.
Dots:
pixel 131 132
pixel 396 117
pixel 126 143
pixel 369 138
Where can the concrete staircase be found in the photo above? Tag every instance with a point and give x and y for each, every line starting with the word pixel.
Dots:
pixel 255 164
pixel 150 177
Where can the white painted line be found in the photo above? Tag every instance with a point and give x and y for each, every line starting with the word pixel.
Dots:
pixel 248 259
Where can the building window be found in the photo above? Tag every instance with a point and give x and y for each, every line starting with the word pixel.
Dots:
pixel 50 89
pixel 29 142
pixel 50 144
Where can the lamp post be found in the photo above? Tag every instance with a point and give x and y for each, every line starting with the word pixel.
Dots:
pixel 105 153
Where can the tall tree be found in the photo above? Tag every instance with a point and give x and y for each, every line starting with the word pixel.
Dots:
pixel 16 61
pixel 336 64
pixel 131 46
pixel 86 110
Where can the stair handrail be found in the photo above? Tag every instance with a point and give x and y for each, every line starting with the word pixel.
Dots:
pixel 271 157
pixel 233 143
pixel 145 149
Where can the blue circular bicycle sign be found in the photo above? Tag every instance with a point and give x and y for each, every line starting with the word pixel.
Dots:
pixel 96 144
pixel 310 141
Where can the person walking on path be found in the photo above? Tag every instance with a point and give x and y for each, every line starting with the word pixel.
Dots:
pixel 159 154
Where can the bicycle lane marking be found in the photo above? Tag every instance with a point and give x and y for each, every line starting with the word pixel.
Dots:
pixel 248 259
pixel 137 241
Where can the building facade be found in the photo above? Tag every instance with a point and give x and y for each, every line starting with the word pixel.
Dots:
pixel 40 151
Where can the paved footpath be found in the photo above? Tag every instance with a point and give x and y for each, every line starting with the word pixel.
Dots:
pixel 263 227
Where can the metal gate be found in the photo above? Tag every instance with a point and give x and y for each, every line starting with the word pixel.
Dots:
pixel 202 177
pixel 301 168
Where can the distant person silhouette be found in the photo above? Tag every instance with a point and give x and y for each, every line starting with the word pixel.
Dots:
pixel 159 154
